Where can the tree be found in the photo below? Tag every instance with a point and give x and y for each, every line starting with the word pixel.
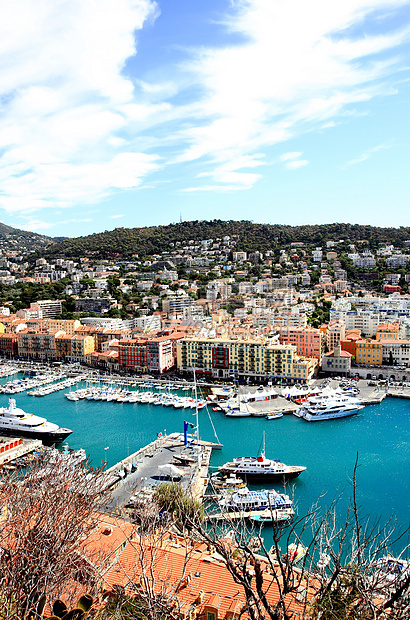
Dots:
pixel 45 519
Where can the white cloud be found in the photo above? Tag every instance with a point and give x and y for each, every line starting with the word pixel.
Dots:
pixel 366 155
pixel 296 163
pixel 301 66
pixel 66 106
pixel 290 156
pixel 74 128
pixel 116 217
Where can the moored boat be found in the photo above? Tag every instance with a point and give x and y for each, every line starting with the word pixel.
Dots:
pixel 14 422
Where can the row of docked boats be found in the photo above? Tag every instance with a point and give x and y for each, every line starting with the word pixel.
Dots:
pixel 125 396
pixel 21 385
pixel 55 387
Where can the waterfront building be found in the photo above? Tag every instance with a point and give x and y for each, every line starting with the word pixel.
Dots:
pixel 254 358
pixel 337 361
pixel 8 344
pixel 34 344
pixel 396 352
pixel 369 351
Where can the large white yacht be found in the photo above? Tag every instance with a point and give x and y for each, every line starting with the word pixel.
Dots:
pixel 14 422
pixel 331 408
pixel 261 468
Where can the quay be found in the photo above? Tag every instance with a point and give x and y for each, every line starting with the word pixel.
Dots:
pixel 12 448
pixel 168 458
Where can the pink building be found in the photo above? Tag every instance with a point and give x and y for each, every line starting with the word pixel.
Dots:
pixel 307 340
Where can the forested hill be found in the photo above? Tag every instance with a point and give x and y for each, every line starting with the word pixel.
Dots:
pixel 126 242
pixel 16 239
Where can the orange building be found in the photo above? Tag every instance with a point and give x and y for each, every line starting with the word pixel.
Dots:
pixel 387 331
pixel 308 341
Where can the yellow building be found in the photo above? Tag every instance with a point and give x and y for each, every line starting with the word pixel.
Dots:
pixel 81 346
pixel 254 358
pixel 387 331
pixel 369 351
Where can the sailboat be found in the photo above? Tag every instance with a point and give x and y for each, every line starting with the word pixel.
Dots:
pixel 215 445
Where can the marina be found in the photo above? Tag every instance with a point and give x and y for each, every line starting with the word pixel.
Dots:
pixel 112 432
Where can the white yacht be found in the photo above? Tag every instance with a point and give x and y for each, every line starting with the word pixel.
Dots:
pixel 250 501
pixel 261 468
pixel 14 422
pixel 337 405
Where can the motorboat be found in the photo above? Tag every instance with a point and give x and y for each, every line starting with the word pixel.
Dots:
pixel 14 422
pixel 331 410
pixel 262 501
pixel 261 468
pixel 274 416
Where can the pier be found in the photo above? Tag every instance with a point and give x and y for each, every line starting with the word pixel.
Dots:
pixel 166 459
pixel 13 448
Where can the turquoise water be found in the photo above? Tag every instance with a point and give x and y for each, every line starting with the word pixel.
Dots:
pixel 380 434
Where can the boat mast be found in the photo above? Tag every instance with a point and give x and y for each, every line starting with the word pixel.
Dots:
pixel 196 420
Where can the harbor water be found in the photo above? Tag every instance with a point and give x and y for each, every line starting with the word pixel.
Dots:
pixel 379 434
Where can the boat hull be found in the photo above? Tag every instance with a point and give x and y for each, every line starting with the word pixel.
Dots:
pixel 259 477
pixel 48 438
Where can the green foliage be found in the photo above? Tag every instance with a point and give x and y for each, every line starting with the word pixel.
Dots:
pixel 171 498
pixel 80 612
pixel 125 242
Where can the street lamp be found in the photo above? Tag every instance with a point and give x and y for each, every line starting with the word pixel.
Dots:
pixel 105 455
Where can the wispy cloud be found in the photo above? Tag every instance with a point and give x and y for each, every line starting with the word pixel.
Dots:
pixel 66 106
pixel 116 217
pixel 366 155
pixel 301 66
pixel 76 128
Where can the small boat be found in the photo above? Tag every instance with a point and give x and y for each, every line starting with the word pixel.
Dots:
pixel 274 416
pixel 294 554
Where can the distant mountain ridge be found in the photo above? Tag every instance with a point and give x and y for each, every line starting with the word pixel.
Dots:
pixel 125 242
pixel 17 239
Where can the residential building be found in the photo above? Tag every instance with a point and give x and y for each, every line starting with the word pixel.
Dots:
pixel 337 361
pixel 387 331
pixel 50 308
pixel 308 341
pixel 40 345
pixel 369 351
pixel 253 358
pixel 335 333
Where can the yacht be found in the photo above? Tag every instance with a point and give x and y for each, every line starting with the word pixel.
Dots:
pixel 14 422
pixel 330 408
pixel 245 500
pixel 261 468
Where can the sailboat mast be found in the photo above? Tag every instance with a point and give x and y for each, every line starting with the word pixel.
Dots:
pixel 196 418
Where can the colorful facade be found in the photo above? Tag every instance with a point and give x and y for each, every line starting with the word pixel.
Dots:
pixel 257 359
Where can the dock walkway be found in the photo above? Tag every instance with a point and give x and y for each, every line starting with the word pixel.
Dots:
pixel 163 460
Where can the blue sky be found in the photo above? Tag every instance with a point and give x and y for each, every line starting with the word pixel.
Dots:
pixel 137 112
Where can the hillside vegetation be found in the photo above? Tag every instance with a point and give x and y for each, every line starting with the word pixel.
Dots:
pixel 126 242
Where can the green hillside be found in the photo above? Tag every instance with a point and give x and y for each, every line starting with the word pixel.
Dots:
pixel 126 242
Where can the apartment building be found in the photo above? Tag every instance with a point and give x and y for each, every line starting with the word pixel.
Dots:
pixel 396 352
pixel 50 308
pixel 387 331
pixel 369 351
pixel 41 345
pixel 335 333
pixel 156 355
pixel 308 341
pixel 253 358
